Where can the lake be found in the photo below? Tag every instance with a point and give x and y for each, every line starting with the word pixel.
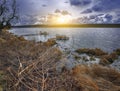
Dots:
pixel 107 39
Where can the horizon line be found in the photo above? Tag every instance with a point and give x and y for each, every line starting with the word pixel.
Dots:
pixel 69 26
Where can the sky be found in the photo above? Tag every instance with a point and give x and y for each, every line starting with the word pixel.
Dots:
pixel 77 11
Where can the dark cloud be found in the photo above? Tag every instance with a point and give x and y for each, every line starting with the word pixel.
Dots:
pixel 117 21
pixel 87 11
pixel 97 8
pixel 109 17
pixel 106 5
pixel 80 2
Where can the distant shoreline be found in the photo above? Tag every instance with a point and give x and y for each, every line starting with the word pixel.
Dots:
pixel 69 26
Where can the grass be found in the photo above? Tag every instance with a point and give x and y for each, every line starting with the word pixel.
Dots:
pixel 44 33
pixel 108 59
pixel 30 66
pixel 62 37
pixel 117 51
pixel 105 58
pixel 94 52
pixel 96 78
pixel 17 54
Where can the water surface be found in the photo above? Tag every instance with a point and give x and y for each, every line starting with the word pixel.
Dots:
pixel 108 39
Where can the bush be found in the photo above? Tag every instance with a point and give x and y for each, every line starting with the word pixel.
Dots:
pixel 96 78
pixel 117 51
pixel 43 33
pixel 92 58
pixel 94 52
pixel 62 37
pixel 108 59
pixel 50 42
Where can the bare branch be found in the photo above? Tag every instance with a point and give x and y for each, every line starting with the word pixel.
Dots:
pixel 8 13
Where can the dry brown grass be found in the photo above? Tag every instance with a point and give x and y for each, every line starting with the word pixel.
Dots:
pixel 95 52
pixel 62 37
pixel 108 59
pixel 25 61
pixel 105 58
pixel 50 42
pixel 30 66
pixel 97 78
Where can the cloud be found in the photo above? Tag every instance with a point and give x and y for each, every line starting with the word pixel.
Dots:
pixel 87 11
pixel 64 12
pixel 66 2
pixel 57 11
pixel 98 19
pixel 117 21
pixel 106 5
pixel 109 17
pixel 97 6
pixel 44 5
pixel 80 2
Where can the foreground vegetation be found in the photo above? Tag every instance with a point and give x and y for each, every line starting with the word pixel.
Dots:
pixel 105 58
pixel 30 66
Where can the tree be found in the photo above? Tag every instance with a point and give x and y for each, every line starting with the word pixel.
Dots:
pixel 8 13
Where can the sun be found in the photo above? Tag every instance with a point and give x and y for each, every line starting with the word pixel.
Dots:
pixel 63 20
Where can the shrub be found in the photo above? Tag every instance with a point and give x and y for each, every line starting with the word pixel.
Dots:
pixel 96 78
pixel 108 59
pixel 117 51
pixel 50 42
pixel 43 33
pixel 62 37
pixel 94 52
pixel 92 58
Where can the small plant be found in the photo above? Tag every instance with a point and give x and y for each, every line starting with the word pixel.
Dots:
pixel 108 59
pixel 2 81
pixel 85 58
pixel 62 37
pixel 77 57
pixel 43 33
pixel 94 52
pixel 50 42
pixel 118 51
pixel 92 58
